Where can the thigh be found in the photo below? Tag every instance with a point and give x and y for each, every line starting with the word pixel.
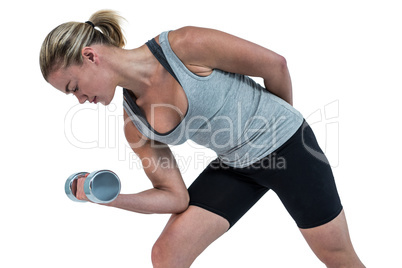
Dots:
pixel 218 198
pixel 307 187
pixel 332 235
pixel 187 235
pixel 225 192
pixel 332 244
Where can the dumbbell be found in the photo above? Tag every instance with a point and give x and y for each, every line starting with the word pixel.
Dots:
pixel 102 186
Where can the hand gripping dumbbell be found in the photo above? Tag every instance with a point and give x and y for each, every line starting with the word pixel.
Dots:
pixel 102 186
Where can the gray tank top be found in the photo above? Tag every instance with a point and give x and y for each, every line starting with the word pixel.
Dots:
pixel 228 113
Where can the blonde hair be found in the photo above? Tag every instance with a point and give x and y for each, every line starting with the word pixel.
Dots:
pixel 62 47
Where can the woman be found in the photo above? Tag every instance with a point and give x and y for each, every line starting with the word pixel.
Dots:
pixel 192 83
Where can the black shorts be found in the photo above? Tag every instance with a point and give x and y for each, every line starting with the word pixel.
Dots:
pixel 298 172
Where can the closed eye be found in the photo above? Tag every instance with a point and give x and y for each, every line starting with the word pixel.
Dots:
pixel 68 91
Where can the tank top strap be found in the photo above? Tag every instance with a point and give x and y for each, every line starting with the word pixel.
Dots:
pixel 157 51
pixel 129 98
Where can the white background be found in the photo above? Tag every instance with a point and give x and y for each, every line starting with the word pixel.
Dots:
pixel 345 62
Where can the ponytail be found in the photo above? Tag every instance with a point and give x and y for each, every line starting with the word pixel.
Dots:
pixel 62 47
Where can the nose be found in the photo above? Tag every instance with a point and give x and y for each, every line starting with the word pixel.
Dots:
pixel 81 98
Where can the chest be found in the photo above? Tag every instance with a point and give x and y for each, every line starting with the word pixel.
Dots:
pixel 164 106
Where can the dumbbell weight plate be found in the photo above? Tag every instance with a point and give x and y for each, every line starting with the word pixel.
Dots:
pixel 102 186
pixel 69 186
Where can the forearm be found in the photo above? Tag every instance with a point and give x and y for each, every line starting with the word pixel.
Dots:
pixel 152 201
pixel 280 83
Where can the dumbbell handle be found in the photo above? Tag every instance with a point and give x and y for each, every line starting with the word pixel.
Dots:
pixel 69 186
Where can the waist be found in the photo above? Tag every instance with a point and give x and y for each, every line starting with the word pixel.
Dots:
pixel 254 143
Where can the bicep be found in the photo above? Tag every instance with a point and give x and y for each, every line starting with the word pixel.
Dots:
pixel 157 159
pixel 218 50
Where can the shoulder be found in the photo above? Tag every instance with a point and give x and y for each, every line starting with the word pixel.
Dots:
pixel 183 39
pixel 190 45
pixel 189 39
pixel 216 49
pixel 188 35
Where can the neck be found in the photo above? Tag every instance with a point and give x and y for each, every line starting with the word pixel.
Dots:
pixel 132 69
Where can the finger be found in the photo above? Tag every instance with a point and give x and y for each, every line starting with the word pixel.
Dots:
pixel 80 189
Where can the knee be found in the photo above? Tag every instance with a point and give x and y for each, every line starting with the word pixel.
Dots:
pixel 162 254
pixel 340 259
pixel 331 259
pixel 157 255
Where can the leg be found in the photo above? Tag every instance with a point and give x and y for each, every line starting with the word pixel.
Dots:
pixel 331 243
pixel 186 236
pixel 307 189
pixel 218 199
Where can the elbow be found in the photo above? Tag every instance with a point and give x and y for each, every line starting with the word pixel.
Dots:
pixel 182 202
pixel 283 64
pixel 285 73
pixel 177 201
pixel 281 70
pixel 278 81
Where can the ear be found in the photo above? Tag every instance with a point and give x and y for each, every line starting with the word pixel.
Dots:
pixel 89 54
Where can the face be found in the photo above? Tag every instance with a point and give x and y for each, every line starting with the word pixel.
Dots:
pixel 88 82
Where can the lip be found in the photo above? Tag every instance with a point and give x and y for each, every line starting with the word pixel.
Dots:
pixel 94 100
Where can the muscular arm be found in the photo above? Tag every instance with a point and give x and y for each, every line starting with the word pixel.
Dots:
pixel 169 194
pixel 206 49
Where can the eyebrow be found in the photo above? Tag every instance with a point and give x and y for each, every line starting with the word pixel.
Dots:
pixel 67 90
